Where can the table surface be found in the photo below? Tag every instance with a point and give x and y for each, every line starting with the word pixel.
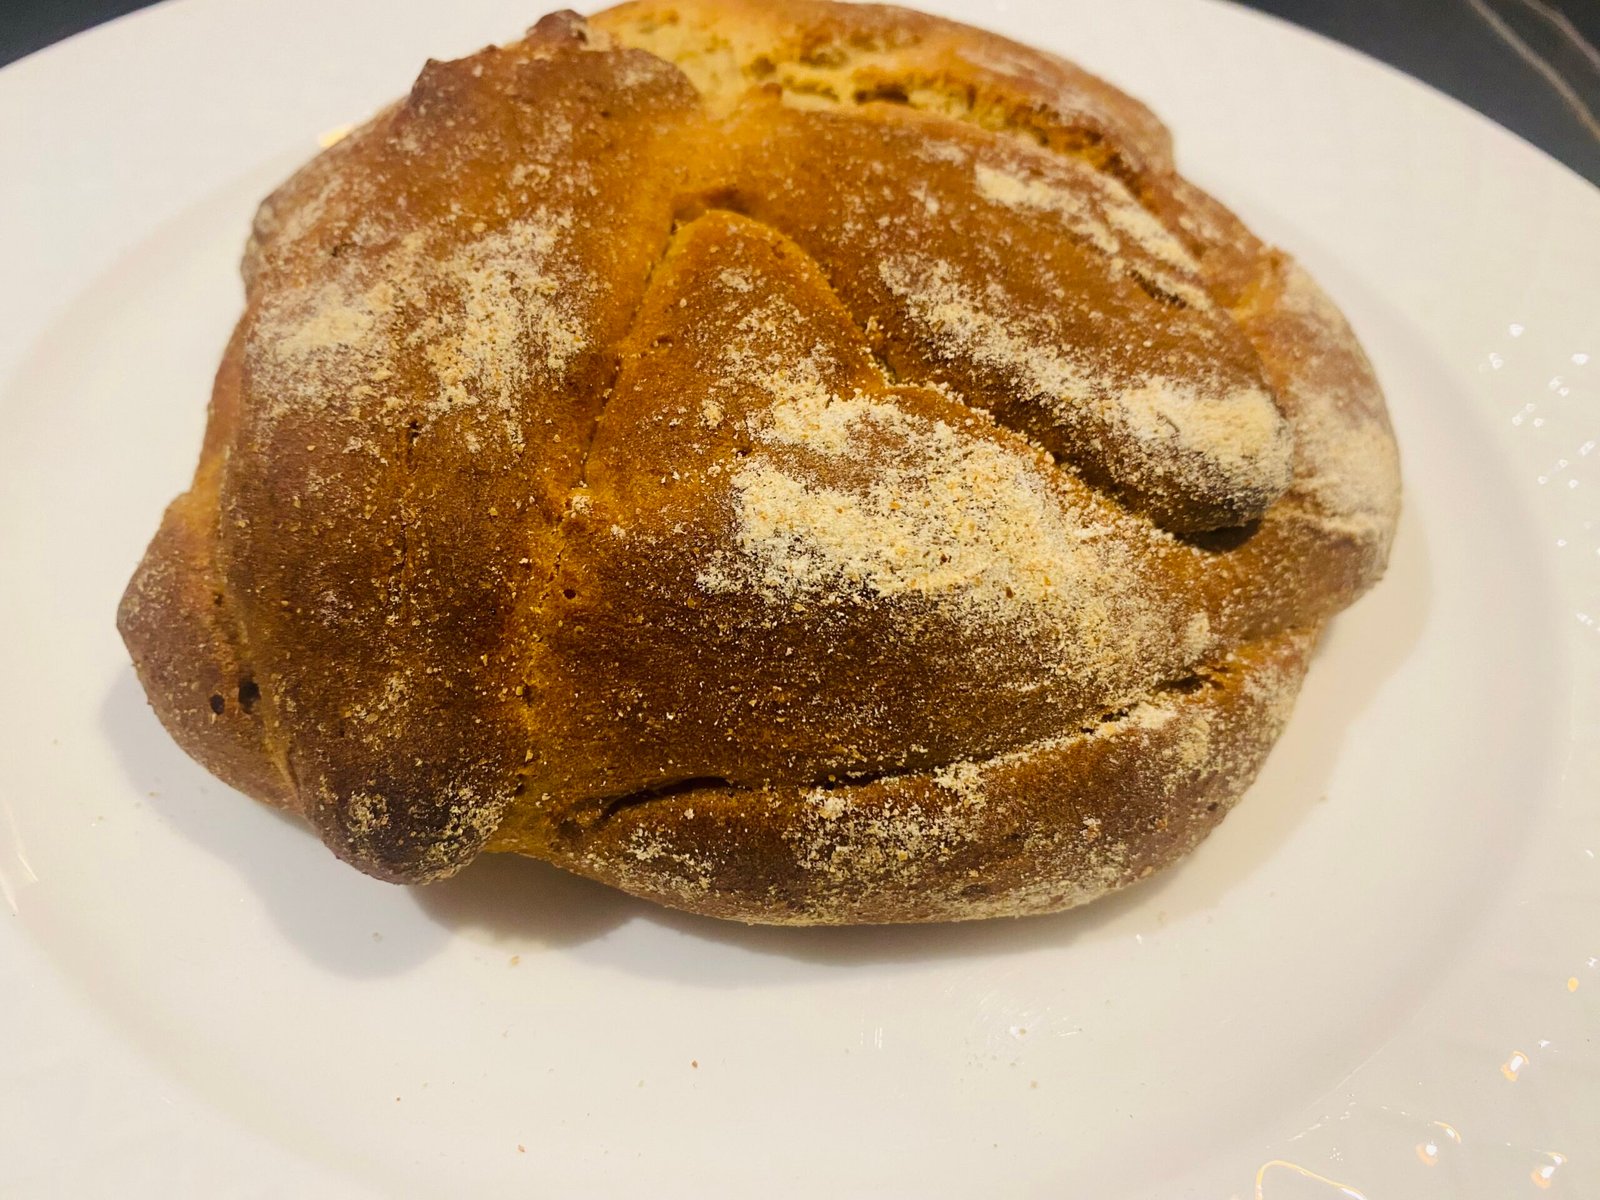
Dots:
pixel 1531 65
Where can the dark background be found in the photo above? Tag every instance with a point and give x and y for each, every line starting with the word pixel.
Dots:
pixel 1476 50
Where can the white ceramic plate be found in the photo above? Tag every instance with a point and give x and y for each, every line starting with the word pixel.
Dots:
pixel 1377 979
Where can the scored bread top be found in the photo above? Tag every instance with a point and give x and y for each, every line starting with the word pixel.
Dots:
pixel 767 396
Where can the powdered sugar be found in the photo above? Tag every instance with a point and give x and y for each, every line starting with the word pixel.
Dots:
pixel 1201 431
pixel 485 319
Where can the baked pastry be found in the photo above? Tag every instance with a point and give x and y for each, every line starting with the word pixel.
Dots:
pixel 801 463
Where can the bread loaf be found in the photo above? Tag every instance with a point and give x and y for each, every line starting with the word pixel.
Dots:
pixel 803 463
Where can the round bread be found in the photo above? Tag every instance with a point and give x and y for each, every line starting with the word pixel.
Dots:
pixel 803 463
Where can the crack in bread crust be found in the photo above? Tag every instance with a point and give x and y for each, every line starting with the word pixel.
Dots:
pixel 624 537
pixel 1210 675
pixel 966 841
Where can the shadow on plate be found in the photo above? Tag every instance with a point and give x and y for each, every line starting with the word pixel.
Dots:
pixel 339 918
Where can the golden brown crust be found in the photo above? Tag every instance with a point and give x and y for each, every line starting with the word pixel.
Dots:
pixel 1048 826
pixel 736 452
pixel 175 619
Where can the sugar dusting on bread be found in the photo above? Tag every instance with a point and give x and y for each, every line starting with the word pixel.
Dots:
pixel 1074 209
pixel 1347 458
pixel 520 313
pixel 487 318
pixel 907 501
pixel 1236 433
pixel 946 516
pixel 1201 430
pixel 1100 211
